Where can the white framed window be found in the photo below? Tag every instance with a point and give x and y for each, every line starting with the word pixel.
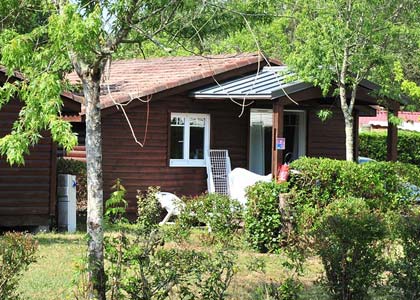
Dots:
pixel 189 139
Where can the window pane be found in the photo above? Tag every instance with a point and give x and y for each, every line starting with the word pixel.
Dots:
pixel 197 126
pixel 177 138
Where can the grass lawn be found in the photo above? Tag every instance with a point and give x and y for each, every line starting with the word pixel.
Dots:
pixel 51 277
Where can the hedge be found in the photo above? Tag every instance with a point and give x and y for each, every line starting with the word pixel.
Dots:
pixel 263 219
pixel 373 145
pixel 321 181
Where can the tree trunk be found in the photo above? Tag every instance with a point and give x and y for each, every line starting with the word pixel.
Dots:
pixel 348 121
pixel 91 89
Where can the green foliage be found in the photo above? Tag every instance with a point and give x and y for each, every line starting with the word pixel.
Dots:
pixel 288 290
pixel 148 210
pixel 373 145
pixel 141 267
pixel 324 114
pixel 406 267
pixel 321 36
pixel 77 168
pixel 212 276
pixel 322 181
pixel 40 96
pixel 21 16
pixel 348 240
pixel 17 251
pixel 335 45
pixel 216 27
pixel 116 204
pixel 219 213
pixel 263 220
pixel 409 87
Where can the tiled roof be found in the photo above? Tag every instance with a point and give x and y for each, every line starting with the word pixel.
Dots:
pixel 382 115
pixel 136 78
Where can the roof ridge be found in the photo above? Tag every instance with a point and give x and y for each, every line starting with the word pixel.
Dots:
pixel 192 57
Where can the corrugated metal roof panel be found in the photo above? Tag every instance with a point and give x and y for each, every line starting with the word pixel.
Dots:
pixel 270 83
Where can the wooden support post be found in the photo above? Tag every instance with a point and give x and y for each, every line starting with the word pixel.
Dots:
pixel 277 155
pixel 392 137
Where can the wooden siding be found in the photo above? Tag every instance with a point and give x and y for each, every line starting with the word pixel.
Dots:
pixel 25 192
pixel 139 167
pixel 326 139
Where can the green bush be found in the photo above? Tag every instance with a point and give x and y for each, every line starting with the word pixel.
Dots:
pixel 116 205
pixel 148 210
pixel 221 214
pixel 324 180
pixel 17 251
pixel 139 266
pixel 263 220
pixel 77 168
pixel 320 181
pixel 373 145
pixel 288 290
pixel 406 268
pixel 348 240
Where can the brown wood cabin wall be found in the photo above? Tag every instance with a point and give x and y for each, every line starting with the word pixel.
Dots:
pixel 139 168
pixel 326 139
pixel 25 191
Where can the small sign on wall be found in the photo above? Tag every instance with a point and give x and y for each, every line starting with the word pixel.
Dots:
pixel 280 143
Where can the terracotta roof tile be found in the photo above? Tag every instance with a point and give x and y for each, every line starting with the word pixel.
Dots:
pixel 136 78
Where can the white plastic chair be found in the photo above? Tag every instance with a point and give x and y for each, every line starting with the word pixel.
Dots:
pixel 171 203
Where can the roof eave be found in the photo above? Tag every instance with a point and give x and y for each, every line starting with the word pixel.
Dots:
pixel 236 97
pixel 294 88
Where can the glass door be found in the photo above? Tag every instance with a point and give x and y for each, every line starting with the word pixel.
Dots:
pixel 260 140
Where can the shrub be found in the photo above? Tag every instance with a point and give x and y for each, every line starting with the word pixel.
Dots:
pixel 347 239
pixel 263 220
pixel 321 181
pixel 221 214
pixel 373 145
pixel 288 290
pixel 139 266
pixel 144 269
pixel 116 205
pixel 17 251
pixel 148 210
pixel 406 268
pixel 77 168
pixel 326 179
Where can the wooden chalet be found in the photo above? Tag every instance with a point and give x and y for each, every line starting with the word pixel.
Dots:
pixel 180 107
pixel 28 193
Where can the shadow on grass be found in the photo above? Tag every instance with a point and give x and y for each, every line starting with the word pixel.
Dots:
pixel 49 239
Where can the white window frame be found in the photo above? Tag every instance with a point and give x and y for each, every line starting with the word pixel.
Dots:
pixel 186 161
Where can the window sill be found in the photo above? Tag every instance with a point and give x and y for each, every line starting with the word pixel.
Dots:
pixel 195 163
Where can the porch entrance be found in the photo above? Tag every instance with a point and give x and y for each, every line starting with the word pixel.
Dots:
pixel 260 148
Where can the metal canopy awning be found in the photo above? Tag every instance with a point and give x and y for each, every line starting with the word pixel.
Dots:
pixel 268 84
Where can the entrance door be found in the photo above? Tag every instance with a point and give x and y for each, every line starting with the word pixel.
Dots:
pixel 260 138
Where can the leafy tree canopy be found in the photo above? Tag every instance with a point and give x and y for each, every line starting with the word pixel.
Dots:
pixel 56 34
